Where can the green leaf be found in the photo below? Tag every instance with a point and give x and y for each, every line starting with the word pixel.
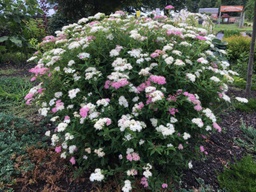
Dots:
pixel 3 38
pixel 16 41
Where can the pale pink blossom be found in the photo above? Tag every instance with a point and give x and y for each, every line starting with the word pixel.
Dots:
pixel 29 96
pixel 120 83
pixel 172 111
pixel 72 160
pixel 157 79
pixel 216 126
pixel 108 121
pixel 38 70
pixel 202 148
pixel 198 108
pixel 107 84
pixel 164 185
pixel 33 78
pixel 180 147
pixel 84 111
pixel 168 7
pixel 144 182
pixel 58 149
pixel 202 38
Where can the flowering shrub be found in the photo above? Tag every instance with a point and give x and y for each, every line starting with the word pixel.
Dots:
pixel 130 97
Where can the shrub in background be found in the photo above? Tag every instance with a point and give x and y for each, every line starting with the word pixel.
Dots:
pixel 238 53
pixel 237 44
pixel 130 97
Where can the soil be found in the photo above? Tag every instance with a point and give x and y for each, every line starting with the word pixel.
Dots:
pixel 51 175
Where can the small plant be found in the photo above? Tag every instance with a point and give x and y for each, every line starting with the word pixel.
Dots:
pixel 249 140
pixel 240 176
pixel 239 82
pixel 246 107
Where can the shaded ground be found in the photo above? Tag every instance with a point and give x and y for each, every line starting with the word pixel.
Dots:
pixel 51 174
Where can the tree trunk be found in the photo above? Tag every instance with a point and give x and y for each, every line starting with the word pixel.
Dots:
pixel 251 57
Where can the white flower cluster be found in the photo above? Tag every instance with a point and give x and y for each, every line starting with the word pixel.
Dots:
pixel 198 122
pixel 242 100
pixel 147 173
pixel 208 113
pixel 166 130
pixel 100 123
pixel 96 176
pixel 126 121
pixel 127 186
pixel 92 73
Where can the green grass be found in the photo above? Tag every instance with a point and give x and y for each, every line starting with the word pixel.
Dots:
pixel 221 27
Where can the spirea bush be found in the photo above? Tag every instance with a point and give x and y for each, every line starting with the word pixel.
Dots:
pixel 130 97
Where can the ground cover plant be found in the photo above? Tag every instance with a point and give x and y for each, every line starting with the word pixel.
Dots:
pixel 130 97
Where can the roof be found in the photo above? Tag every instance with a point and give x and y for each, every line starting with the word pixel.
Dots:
pixel 208 10
pixel 236 8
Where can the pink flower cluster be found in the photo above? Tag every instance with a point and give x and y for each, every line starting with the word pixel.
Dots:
pixel 72 160
pixel 157 53
pixel 59 105
pixel 168 7
pixel 174 32
pixel 133 156
pixel 164 185
pixel 39 70
pixel 84 111
pixel 202 38
pixel 144 182
pixel 143 86
pixel 202 150
pixel 172 111
pixel 118 84
pixel 160 80
pixel 216 126
pixel 194 100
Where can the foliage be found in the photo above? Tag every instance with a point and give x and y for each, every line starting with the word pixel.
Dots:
pixel 128 100
pixel 10 58
pixel 16 134
pixel 35 29
pixel 13 17
pixel 240 176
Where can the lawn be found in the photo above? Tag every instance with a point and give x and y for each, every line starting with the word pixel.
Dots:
pixel 221 27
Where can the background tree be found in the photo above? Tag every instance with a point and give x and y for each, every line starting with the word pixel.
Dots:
pixel 206 3
pixel 192 5
pixel 251 57
pixel 16 24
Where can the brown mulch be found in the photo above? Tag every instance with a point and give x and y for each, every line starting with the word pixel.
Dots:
pixel 51 175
